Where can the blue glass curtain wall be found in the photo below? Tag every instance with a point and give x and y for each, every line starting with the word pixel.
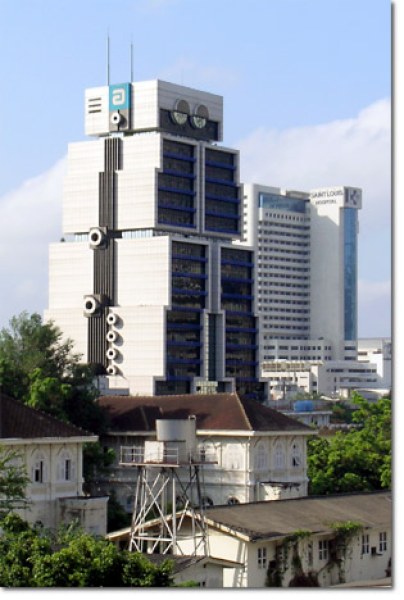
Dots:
pixel 350 273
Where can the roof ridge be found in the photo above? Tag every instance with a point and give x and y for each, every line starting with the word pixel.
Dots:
pixel 247 420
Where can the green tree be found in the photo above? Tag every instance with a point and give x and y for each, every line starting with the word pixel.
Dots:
pixel 34 557
pixel 359 460
pixel 13 481
pixel 39 368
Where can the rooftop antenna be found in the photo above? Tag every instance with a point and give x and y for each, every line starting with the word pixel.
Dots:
pixel 108 58
pixel 131 60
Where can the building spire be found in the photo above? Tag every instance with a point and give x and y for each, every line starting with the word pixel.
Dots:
pixel 108 57
pixel 131 60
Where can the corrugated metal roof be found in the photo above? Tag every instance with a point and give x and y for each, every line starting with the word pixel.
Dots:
pixel 213 412
pixel 264 520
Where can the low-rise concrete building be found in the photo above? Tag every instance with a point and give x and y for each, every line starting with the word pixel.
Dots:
pixel 379 352
pixel 331 377
pixel 252 452
pixel 51 452
pixel 315 541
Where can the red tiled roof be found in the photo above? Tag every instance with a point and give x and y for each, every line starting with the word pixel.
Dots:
pixel 20 421
pixel 212 411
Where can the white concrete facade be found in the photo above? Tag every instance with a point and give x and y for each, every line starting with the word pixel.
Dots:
pixel 306 285
pixel 300 543
pixel 239 467
pixel 54 468
pixel 379 352
pixel 150 210
pixel 300 239
pixel 331 378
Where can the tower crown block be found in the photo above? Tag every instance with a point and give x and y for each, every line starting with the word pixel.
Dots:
pixel 153 105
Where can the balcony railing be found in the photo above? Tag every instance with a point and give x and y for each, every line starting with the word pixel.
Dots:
pixel 160 453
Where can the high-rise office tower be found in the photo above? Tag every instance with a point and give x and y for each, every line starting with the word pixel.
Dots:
pixel 147 281
pixel 306 271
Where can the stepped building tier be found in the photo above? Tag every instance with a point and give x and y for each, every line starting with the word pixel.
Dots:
pixel 146 280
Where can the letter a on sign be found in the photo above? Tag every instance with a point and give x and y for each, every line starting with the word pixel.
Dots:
pixel 119 96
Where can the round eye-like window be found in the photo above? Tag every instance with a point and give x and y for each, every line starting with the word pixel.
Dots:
pixel 200 116
pixel 181 112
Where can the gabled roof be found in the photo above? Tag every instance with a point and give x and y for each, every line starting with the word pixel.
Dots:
pixel 266 520
pixel 223 412
pixel 18 421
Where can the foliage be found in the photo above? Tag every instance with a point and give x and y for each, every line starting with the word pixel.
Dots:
pixel 34 557
pixel 341 413
pixel 359 460
pixel 96 462
pixel 40 369
pixel 289 555
pixel 345 530
pixel 13 481
pixel 118 518
pixel 278 567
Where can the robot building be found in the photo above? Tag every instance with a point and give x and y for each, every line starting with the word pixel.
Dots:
pixel 146 280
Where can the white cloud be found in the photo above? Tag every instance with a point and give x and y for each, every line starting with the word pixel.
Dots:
pixel 31 218
pixel 355 152
pixel 352 152
pixel 348 152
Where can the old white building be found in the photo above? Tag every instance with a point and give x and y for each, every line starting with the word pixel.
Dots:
pixel 252 452
pixel 52 453
pixel 324 541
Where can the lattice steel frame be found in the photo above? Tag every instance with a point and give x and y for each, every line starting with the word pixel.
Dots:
pixel 158 523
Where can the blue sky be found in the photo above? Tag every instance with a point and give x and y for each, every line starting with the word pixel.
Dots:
pixel 306 86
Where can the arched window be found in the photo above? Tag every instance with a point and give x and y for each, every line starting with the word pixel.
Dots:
pixel 296 455
pixel 207 452
pixel 261 457
pixel 66 466
pixel 232 457
pixel 233 500
pixel 206 501
pixel 279 456
pixel 39 471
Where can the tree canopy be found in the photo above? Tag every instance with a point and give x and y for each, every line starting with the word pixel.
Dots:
pixel 357 460
pixel 13 481
pixel 40 368
pixel 34 557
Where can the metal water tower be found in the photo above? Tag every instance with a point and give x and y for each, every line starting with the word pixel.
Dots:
pixel 168 505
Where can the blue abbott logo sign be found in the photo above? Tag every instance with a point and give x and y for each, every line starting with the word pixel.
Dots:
pixel 119 96
pixel 120 107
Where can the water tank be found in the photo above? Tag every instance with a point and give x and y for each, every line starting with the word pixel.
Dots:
pixel 303 405
pixel 177 430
